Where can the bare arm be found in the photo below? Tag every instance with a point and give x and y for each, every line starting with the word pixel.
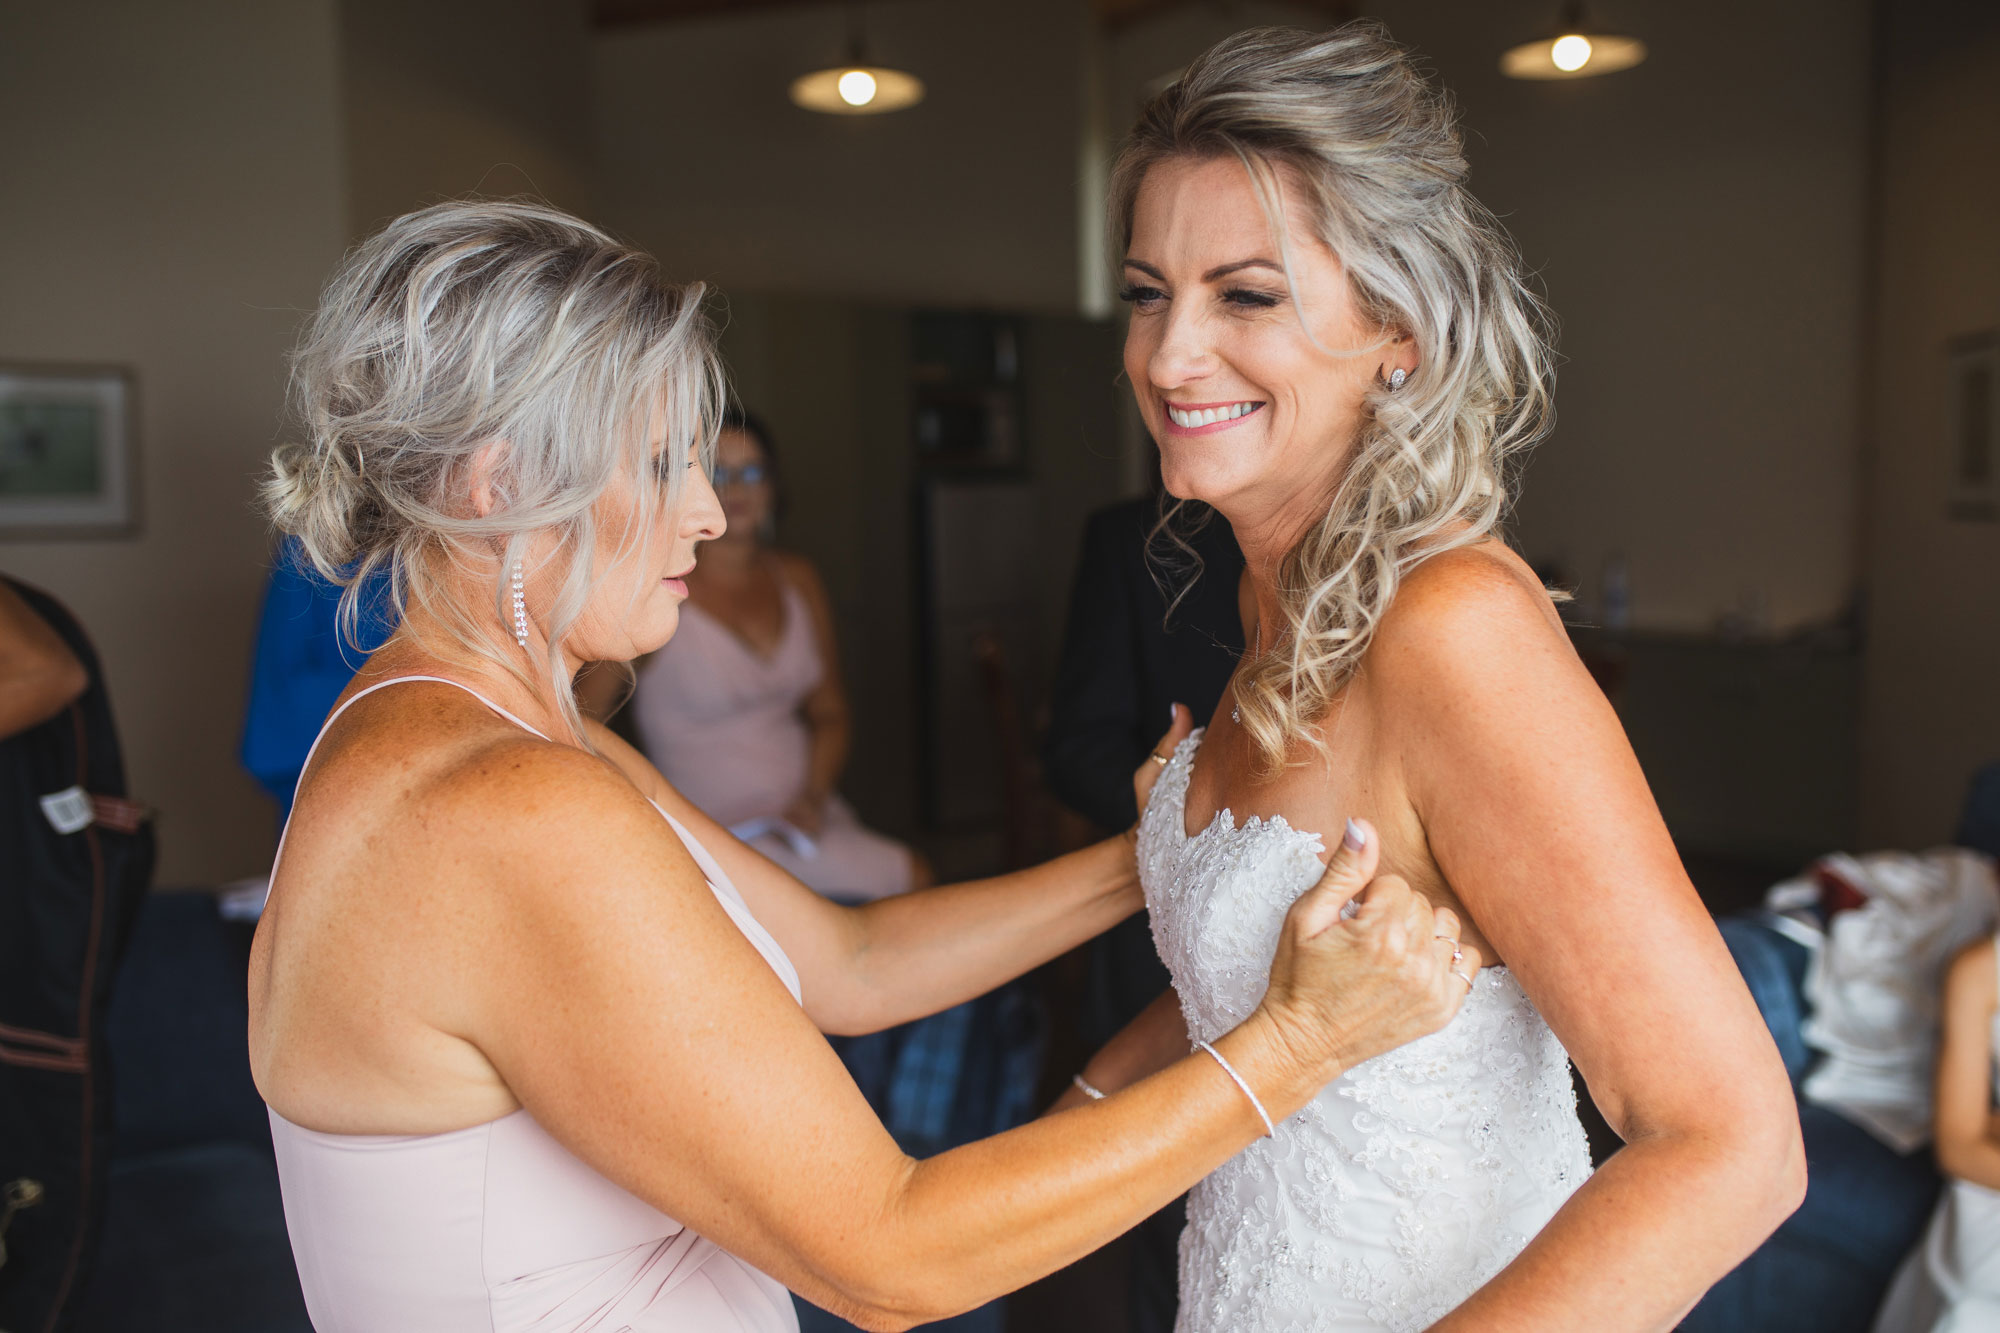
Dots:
pixel 1144 1046
pixel 1966 1145
pixel 825 710
pixel 637 1024
pixel 1538 817
pixel 39 675
pixel 871 967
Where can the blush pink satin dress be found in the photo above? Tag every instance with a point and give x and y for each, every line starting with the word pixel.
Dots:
pixel 499 1228
pixel 722 723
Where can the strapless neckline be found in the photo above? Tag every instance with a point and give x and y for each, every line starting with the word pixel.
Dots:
pixel 1411 1179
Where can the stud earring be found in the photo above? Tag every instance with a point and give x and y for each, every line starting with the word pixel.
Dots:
pixel 520 609
pixel 1396 378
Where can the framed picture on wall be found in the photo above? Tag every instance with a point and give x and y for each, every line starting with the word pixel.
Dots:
pixel 67 464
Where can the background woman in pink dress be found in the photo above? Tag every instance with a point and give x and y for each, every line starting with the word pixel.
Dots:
pixel 744 711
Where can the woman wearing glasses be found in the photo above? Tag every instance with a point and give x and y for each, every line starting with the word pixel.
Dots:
pixel 744 711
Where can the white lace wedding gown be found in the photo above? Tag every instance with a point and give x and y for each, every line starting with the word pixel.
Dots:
pixel 1409 1181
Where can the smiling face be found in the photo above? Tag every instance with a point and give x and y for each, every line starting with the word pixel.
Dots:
pixel 635 606
pixel 1250 415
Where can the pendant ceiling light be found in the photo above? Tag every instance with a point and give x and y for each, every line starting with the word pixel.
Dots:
pixel 857 88
pixel 1574 51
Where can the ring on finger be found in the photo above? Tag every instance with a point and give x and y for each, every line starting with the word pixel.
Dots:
pixel 1461 976
pixel 1159 758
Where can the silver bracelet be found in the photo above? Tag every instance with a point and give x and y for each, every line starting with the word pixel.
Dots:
pixel 1083 1084
pixel 1270 1130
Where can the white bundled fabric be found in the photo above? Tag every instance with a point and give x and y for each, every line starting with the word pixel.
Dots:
pixel 1873 986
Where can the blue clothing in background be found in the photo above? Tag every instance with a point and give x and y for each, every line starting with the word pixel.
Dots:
pixel 302 665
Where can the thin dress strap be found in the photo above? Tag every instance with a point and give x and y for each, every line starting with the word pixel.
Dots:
pixel 356 698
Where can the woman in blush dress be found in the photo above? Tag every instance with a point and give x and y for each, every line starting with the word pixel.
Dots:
pixel 744 712
pixel 542 1043
pixel 1332 343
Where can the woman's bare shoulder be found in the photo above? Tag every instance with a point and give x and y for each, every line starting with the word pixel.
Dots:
pixel 800 572
pixel 531 799
pixel 621 755
pixel 792 563
pixel 1479 607
pixel 461 783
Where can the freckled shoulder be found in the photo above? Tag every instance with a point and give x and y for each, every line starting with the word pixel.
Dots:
pixel 1467 595
pixel 524 797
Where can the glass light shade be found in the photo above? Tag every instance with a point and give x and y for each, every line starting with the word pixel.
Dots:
pixel 834 90
pixel 1556 57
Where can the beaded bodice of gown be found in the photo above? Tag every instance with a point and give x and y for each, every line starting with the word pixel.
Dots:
pixel 1409 1181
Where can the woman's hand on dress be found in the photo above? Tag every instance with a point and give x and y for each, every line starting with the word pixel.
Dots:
pixel 1346 989
pixel 1150 768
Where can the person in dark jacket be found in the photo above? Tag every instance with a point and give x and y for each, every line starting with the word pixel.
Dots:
pixel 1126 659
pixel 39 675
pixel 75 858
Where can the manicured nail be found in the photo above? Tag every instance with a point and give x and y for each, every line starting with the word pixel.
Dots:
pixel 1355 838
pixel 1173 714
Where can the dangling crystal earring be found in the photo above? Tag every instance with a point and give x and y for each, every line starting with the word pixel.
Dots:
pixel 520 609
pixel 1396 378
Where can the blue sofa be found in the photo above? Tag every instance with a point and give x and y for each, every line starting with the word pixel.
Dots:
pixel 194 1234
pixel 1827 1268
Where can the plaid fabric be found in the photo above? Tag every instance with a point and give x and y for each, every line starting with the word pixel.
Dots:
pixel 960 1075
pixel 943 1081
pixel 923 1091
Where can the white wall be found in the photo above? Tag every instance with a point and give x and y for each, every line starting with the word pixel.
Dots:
pixel 1700 224
pixel 451 97
pixel 172 202
pixel 183 176
pixel 1932 710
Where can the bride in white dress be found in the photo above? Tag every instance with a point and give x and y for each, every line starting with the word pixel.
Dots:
pixel 1951 1282
pixel 1333 345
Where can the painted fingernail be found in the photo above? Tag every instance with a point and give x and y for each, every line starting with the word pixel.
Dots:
pixel 1355 838
pixel 1173 714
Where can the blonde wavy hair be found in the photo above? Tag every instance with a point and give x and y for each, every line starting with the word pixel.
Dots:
pixel 1347 115
pixel 499 335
